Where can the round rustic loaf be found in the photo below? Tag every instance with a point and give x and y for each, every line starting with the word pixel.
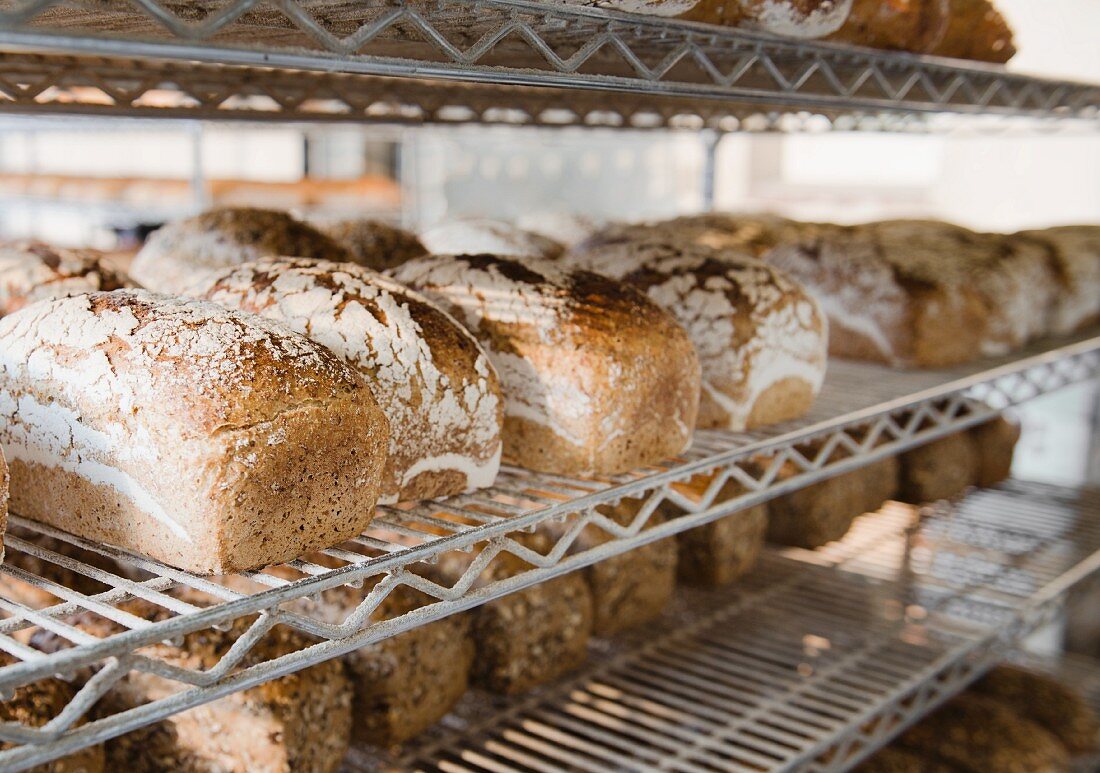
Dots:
pixel 597 379
pixel 760 337
pixel 755 234
pixel 792 18
pixel 375 244
pixel 31 271
pixel 430 377
pixel 1074 252
pixel 177 255
pixel 488 237
pixel 209 439
pixel 644 7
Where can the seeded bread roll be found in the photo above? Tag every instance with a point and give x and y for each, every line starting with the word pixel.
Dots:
pixel 490 237
pixel 941 469
pixel 176 256
pixel 719 552
pixel 211 440
pixel 404 684
pixel 995 445
pixel 760 338
pixel 528 638
pixel 596 378
pixel 375 244
pixel 1074 252
pixel 36 704
pixel 299 722
pixel 792 18
pixel 429 376
pixel 921 294
pixel 31 271
pixel 977 734
pixel 1054 706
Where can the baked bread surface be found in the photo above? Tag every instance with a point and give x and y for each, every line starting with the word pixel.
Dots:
pixel 32 271
pixel 375 244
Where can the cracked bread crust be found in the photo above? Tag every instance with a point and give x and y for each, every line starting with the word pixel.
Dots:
pixel 597 379
pixel 429 376
pixel 179 254
pixel 32 271
pixel 375 244
pixel 208 439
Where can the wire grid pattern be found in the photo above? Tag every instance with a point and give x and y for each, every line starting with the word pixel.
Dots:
pixel 525 43
pixel 865 413
pixel 798 666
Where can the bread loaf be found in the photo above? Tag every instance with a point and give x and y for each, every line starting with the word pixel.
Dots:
pixel 977 734
pixel 299 722
pixel 967 29
pixel 644 7
pixel 375 244
pixel 208 439
pixel 596 378
pixel 817 514
pixel 754 234
pixel 429 376
pixel 1056 707
pixel 565 229
pixel 491 237
pixel 34 705
pixel 894 759
pixel 177 255
pixel 721 551
pixel 31 271
pixel 792 18
pixel 530 637
pixel 941 469
pixel 1074 252
pixel 923 294
pixel 995 446
pixel 760 338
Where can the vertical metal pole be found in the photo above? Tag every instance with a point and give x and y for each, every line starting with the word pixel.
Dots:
pixel 199 195
pixel 711 138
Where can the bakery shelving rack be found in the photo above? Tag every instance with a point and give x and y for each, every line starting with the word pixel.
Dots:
pixel 928 624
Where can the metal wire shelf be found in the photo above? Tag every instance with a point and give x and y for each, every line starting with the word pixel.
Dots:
pixel 799 666
pixel 509 61
pixel 865 413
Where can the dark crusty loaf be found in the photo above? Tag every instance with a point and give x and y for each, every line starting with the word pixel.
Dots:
pixel 527 638
pixel 966 29
pixel 995 445
pixel 754 234
pixel 211 440
pixel 719 552
pixel 760 337
pixel 299 722
pixel 1052 705
pixel 1074 251
pixel 375 244
pixel 977 734
pixel 941 469
pixel 429 376
pixel 31 271
pixel 178 254
pixel 596 378
pixel 34 705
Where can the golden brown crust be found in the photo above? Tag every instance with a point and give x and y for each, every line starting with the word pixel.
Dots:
pixel 816 514
pixel 941 469
pixel 32 271
pixel 976 30
pixel 1074 254
pixel 995 444
pixel 375 244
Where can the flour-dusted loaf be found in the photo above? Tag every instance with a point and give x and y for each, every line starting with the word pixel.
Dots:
pixel 177 255
pixel 644 7
pixel 34 705
pixel 792 18
pixel 375 244
pixel 920 293
pixel 760 337
pixel 491 237
pixel 564 228
pixel 1074 252
pixel 212 440
pixel 429 376
pixel 751 233
pixel 597 379
pixel 32 271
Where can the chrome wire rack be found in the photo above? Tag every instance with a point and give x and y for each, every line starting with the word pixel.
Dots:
pixel 799 666
pixel 525 62
pixel 865 413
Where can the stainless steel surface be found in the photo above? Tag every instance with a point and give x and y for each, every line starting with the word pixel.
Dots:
pixel 865 412
pixel 415 61
pixel 812 662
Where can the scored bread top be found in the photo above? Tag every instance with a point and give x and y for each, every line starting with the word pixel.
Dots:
pixel 32 271
pixel 573 348
pixel 429 375
pixel 178 254
pixel 752 325
pixel 133 356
